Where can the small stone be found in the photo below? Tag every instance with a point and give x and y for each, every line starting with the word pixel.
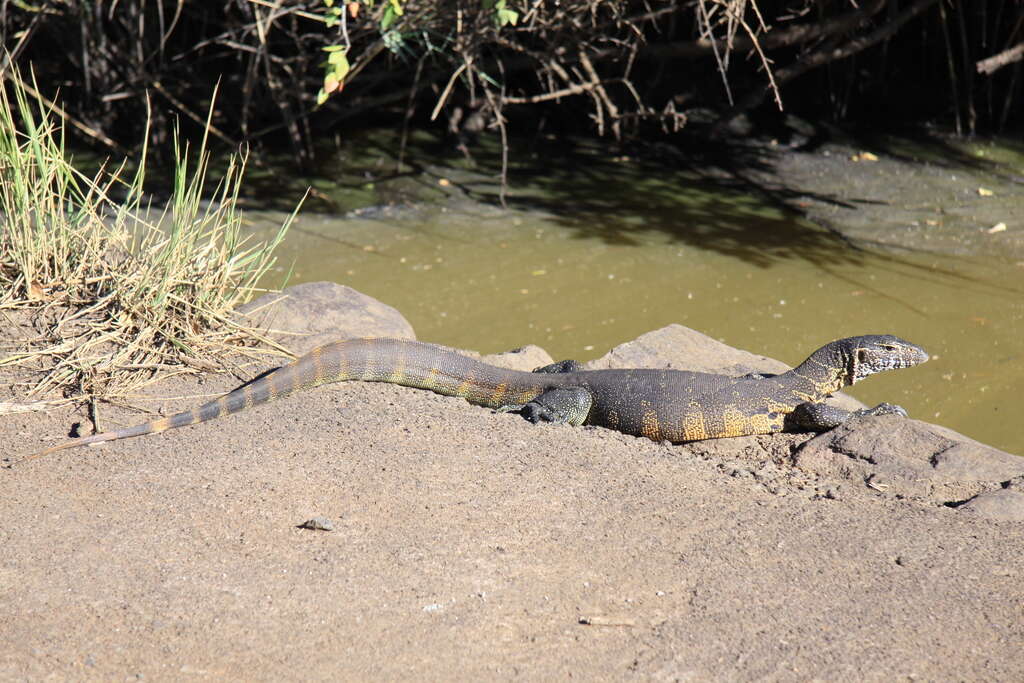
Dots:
pixel 318 523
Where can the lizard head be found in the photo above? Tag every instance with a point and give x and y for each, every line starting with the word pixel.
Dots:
pixel 873 353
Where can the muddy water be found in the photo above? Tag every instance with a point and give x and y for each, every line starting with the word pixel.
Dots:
pixel 578 269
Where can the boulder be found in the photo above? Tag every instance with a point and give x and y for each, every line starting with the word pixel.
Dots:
pixel 305 316
pixel 526 358
pixel 681 348
pixel 910 459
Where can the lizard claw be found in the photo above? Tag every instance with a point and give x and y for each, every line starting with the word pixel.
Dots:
pixel 884 409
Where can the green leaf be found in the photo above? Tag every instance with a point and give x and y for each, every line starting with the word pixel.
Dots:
pixel 339 60
pixel 388 18
pixel 507 16
pixel 397 7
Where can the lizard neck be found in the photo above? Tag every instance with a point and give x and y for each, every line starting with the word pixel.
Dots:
pixel 821 375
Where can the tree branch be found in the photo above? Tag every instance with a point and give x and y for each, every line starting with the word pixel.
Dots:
pixel 773 39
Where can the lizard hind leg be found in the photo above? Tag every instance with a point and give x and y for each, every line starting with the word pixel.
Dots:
pixel 569 405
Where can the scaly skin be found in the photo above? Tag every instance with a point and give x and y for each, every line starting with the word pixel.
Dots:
pixel 671 405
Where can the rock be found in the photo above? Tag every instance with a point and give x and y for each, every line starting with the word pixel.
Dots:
pixel 681 348
pixel 318 524
pixel 972 461
pixel 908 458
pixel 308 315
pixel 527 358
pixel 1004 505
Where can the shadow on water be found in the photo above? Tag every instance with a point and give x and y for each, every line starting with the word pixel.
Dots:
pixel 705 195
pixel 627 200
pixel 946 151
pixel 713 198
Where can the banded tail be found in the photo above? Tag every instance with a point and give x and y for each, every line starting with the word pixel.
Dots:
pixel 396 361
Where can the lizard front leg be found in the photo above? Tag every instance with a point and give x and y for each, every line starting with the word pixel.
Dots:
pixel 821 417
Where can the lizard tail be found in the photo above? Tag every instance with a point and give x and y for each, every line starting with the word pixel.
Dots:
pixel 407 363
pixel 295 376
pixel 137 430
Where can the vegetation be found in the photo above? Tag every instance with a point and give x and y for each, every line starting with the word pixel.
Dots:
pixel 295 70
pixel 119 292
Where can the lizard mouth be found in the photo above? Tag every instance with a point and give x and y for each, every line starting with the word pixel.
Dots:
pixel 864 362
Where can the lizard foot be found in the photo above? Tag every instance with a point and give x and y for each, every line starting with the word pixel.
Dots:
pixel 561 406
pixel 882 409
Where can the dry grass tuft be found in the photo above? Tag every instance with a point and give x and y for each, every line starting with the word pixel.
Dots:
pixel 118 294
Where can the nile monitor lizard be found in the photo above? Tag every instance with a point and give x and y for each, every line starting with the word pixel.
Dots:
pixel 673 405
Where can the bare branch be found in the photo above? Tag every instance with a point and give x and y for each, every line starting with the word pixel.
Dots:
pixel 995 62
pixel 774 39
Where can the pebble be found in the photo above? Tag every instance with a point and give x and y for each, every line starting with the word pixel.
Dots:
pixel 318 523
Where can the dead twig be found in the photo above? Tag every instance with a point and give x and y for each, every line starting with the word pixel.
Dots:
pixel 833 52
pixel 776 38
pixel 990 65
